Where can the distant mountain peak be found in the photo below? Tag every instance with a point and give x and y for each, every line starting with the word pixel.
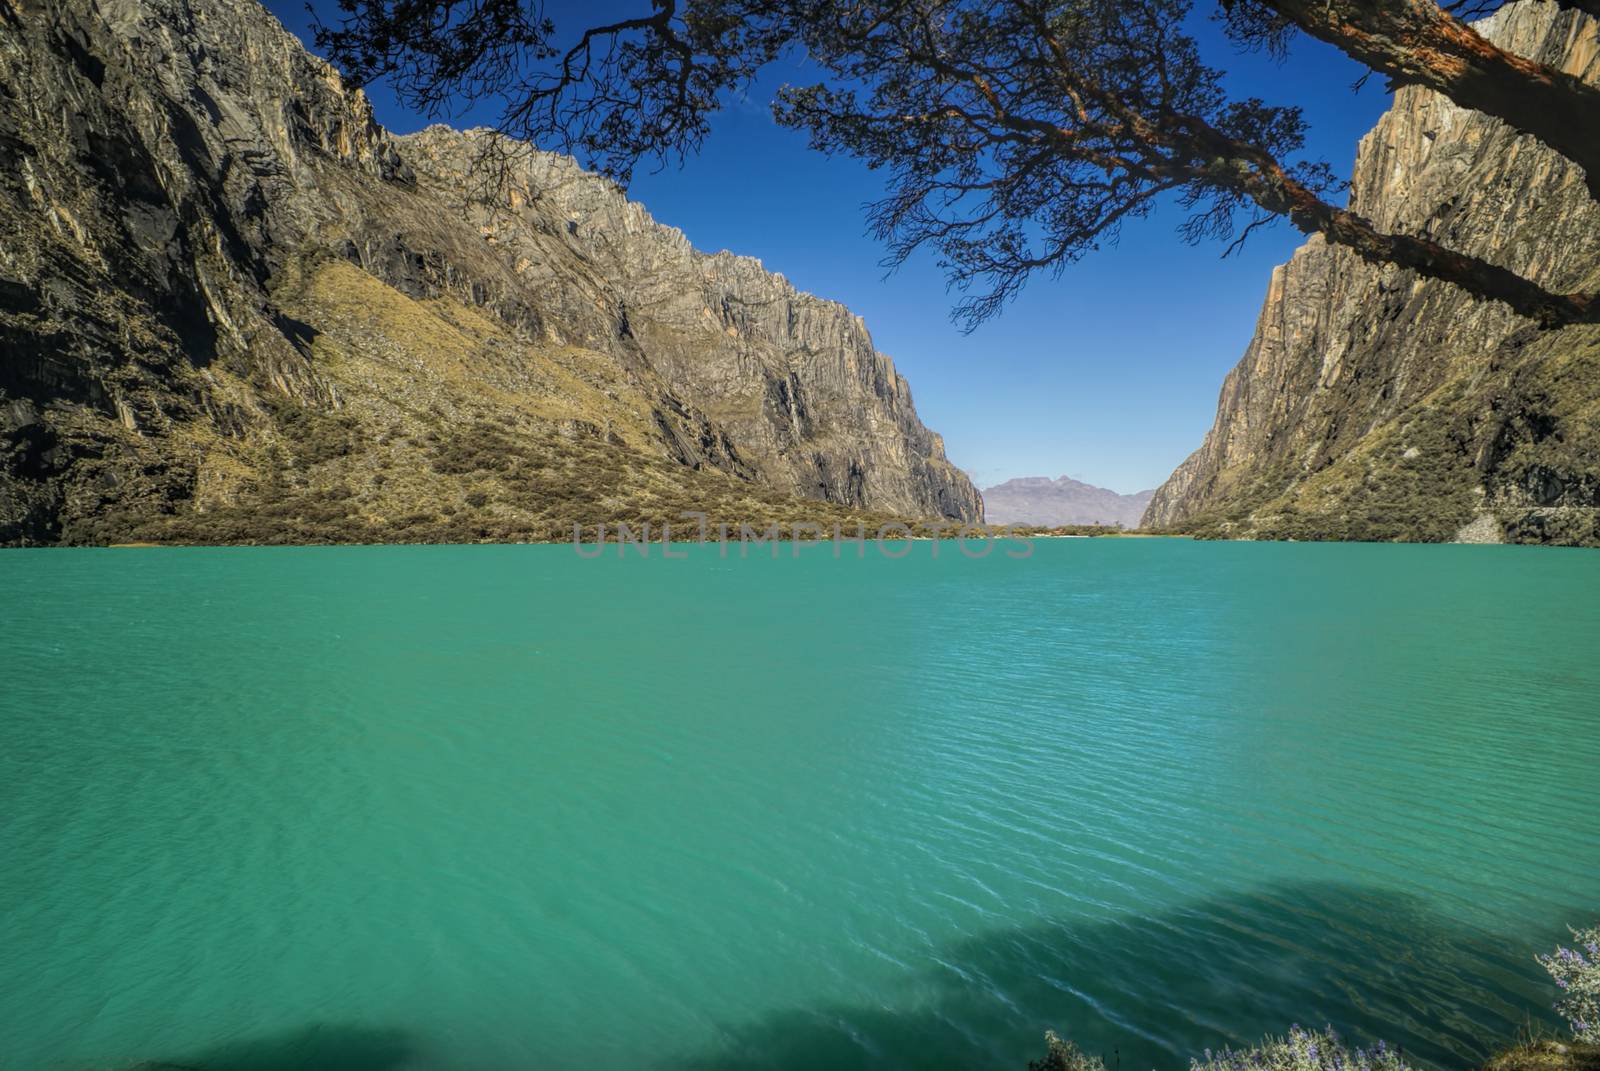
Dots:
pixel 1063 500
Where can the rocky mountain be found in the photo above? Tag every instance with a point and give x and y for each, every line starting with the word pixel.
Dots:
pixel 1043 501
pixel 234 308
pixel 1375 405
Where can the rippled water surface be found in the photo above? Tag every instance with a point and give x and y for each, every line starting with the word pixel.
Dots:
pixel 482 809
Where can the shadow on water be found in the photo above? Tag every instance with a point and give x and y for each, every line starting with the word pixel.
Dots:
pixel 1145 992
pixel 1151 992
pixel 318 1047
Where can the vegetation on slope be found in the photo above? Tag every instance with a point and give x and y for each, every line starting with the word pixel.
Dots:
pixel 442 427
pixel 1516 448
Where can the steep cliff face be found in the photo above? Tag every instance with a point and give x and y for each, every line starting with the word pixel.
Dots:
pixel 232 306
pixel 793 379
pixel 1374 405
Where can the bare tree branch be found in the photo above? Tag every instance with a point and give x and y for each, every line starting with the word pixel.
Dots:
pixel 1015 136
pixel 1416 42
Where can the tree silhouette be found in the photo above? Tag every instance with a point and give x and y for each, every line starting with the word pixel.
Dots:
pixel 1016 135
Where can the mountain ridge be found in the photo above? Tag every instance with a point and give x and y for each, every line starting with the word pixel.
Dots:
pixel 1371 404
pixel 243 311
pixel 1039 500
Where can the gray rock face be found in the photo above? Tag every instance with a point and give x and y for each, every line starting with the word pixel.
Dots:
pixel 1372 404
pixel 1043 501
pixel 793 379
pixel 177 177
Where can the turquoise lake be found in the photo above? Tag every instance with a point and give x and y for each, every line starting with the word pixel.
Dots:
pixel 495 808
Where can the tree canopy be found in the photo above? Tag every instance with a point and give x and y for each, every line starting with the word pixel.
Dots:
pixel 1015 136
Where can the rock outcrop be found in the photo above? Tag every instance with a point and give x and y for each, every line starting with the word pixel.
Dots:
pixel 1375 405
pixel 233 307
pixel 1042 501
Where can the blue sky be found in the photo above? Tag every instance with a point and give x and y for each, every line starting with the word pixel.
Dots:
pixel 1108 374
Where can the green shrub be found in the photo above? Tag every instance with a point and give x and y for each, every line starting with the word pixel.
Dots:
pixel 1577 974
pixel 1303 1050
pixel 1064 1056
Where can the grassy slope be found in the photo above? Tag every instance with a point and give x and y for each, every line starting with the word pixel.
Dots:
pixel 1546 1055
pixel 1518 441
pixel 447 428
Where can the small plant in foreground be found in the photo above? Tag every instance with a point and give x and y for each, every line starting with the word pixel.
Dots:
pixel 1303 1050
pixel 1577 973
pixel 1064 1056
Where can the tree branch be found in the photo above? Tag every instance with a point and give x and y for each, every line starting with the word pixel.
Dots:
pixel 1266 183
pixel 1416 42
